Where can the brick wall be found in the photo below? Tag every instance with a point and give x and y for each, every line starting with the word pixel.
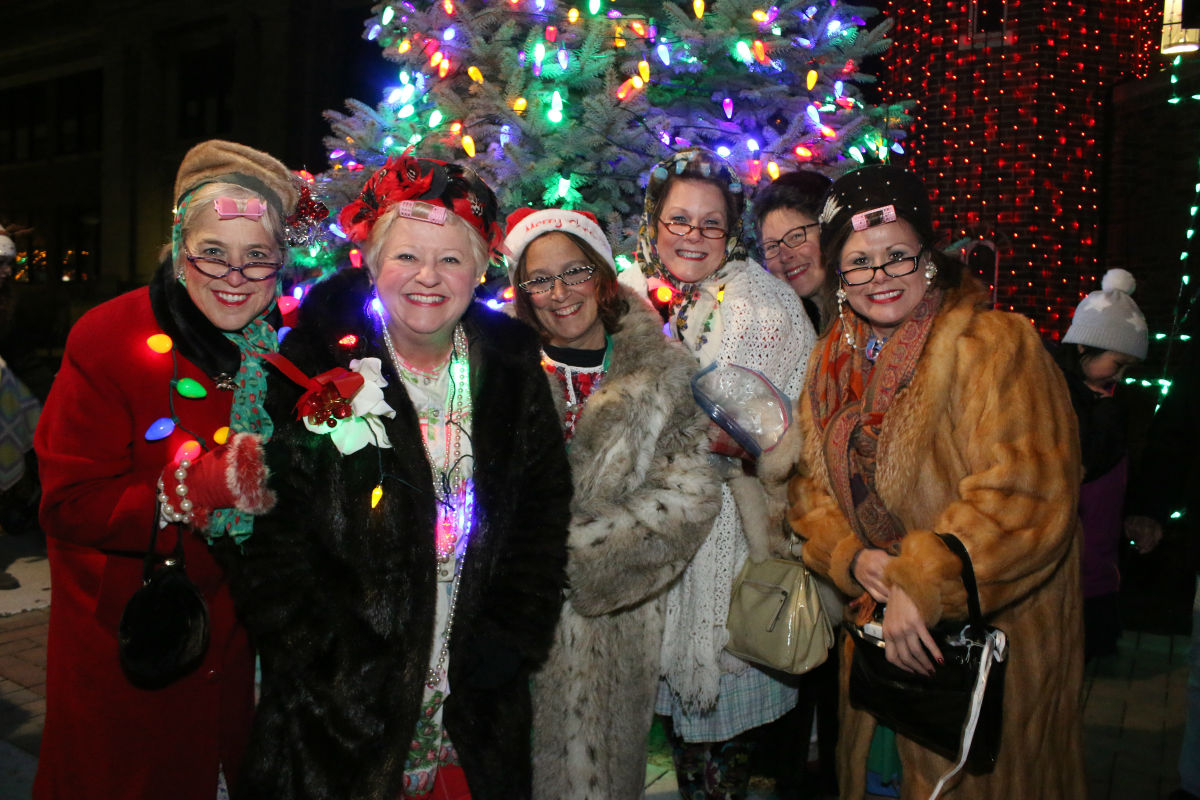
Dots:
pixel 1012 128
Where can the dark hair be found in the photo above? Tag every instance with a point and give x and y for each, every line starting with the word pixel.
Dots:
pixel 1072 357
pixel 801 191
pixel 949 271
pixel 611 305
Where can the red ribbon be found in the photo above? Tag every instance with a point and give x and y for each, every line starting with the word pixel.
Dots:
pixel 327 397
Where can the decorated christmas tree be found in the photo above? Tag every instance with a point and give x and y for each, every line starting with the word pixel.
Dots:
pixel 571 104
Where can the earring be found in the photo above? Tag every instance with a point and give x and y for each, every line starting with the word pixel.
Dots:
pixel 930 271
pixel 841 300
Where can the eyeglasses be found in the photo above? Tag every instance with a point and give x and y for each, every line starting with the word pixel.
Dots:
pixel 896 268
pixel 218 268
pixel 793 239
pixel 683 229
pixel 569 277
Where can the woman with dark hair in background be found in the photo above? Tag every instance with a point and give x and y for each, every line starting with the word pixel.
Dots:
pixel 785 217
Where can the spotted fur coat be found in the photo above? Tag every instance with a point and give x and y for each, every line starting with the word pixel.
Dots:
pixel 981 444
pixel 645 498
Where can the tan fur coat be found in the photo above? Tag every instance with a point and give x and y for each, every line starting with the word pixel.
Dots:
pixel 981 444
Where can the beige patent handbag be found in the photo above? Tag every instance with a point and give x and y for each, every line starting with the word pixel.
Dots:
pixel 775 617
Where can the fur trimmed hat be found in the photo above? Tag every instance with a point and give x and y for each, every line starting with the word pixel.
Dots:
pixel 526 224
pixel 1109 319
pixel 8 248
pixel 229 162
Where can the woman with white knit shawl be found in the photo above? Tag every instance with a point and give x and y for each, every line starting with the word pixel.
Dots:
pixel 728 310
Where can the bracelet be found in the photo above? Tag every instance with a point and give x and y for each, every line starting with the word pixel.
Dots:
pixel 184 514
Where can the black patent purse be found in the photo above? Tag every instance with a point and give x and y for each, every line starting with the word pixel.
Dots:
pixel 955 712
pixel 163 633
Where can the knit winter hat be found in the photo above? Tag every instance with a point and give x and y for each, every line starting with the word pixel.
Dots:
pixel 1109 319
pixel 526 224
pixel 872 196
pixel 228 162
pixel 8 248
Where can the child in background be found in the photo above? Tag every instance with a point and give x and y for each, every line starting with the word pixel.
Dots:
pixel 1107 336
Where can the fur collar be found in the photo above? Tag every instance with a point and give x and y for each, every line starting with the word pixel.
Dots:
pixel 197 339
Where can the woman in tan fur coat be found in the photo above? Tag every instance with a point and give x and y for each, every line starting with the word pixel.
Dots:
pixel 925 413
pixel 645 498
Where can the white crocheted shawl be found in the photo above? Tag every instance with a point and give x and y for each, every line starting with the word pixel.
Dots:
pixel 758 323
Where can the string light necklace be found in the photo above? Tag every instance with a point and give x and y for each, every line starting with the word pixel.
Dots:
pixel 452 489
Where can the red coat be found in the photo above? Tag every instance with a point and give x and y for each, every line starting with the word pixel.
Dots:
pixel 103 737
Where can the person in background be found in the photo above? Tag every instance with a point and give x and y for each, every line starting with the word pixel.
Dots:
pixel 19 411
pixel 1107 335
pixel 927 412
pixel 785 218
pixel 410 577
pixel 645 498
pixel 211 314
pixel 727 310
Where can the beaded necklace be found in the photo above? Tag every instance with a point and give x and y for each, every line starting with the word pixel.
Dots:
pixel 577 384
pixel 452 487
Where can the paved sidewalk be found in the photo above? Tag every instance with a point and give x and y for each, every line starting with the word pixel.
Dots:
pixel 1133 715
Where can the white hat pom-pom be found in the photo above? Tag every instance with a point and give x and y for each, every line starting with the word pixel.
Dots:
pixel 1119 279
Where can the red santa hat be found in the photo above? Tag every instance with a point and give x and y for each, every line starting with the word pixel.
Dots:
pixel 527 224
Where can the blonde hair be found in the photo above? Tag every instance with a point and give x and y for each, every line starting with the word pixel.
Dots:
pixel 200 199
pixel 373 246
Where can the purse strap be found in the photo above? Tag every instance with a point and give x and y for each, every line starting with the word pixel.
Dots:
pixel 150 561
pixel 968 579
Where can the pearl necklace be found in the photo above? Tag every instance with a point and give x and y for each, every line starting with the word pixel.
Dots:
pixel 455 500
pixel 453 493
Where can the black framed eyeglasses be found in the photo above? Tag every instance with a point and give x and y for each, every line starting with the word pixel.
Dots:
pixel 793 239
pixel 896 268
pixel 569 277
pixel 219 268
pixel 683 229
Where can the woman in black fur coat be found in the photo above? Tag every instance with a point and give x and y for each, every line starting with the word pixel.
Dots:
pixel 411 575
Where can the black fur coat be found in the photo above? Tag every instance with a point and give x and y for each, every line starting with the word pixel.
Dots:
pixel 340 598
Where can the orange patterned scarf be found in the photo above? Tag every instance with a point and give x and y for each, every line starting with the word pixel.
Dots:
pixel 850 397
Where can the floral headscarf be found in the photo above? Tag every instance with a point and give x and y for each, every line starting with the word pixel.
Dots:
pixel 701 164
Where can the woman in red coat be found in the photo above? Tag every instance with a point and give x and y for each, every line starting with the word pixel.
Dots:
pixel 214 299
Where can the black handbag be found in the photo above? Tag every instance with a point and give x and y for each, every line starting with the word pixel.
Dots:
pixel 163 633
pixel 955 712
